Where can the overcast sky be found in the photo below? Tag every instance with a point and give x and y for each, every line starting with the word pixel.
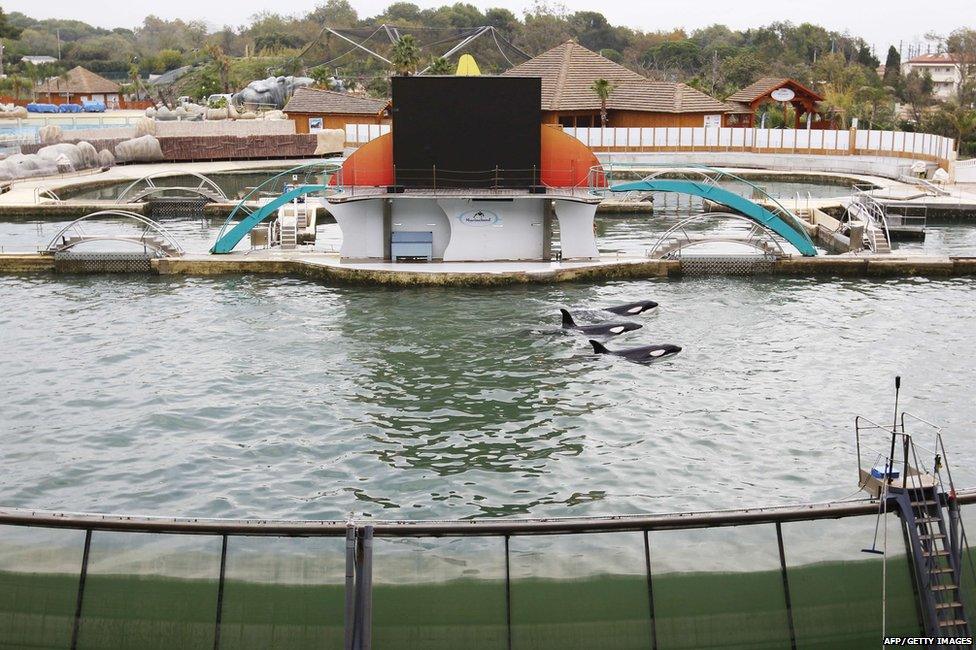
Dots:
pixel 881 22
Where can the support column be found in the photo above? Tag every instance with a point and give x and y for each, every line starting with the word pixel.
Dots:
pixel 387 229
pixel 548 212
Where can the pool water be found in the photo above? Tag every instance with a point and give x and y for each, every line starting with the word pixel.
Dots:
pixel 256 396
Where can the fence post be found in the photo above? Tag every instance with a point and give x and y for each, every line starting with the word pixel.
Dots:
pixel 852 145
pixel 350 612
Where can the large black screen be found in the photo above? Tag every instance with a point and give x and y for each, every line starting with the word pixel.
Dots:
pixel 455 131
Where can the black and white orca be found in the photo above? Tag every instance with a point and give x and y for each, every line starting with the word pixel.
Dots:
pixel 598 329
pixel 632 308
pixel 642 354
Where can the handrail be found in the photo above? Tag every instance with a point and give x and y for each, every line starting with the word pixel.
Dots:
pixel 711 215
pixel 446 528
pixel 706 172
pixel 325 166
pixel 148 179
pixel 173 241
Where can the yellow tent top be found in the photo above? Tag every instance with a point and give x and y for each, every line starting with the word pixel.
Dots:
pixel 467 67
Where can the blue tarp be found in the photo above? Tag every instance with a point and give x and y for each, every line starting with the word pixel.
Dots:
pixel 93 107
pixel 42 108
pixel 69 108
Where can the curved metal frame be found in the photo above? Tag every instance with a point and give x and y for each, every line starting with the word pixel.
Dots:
pixel 751 241
pixel 308 169
pixel 874 216
pixel 794 234
pixel 53 246
pixel 148 179
pixel 708 174
pixel 448 528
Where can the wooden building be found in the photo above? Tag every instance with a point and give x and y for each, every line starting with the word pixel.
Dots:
pixel 79 85
pixel 744 104
pixel 569 70
pixel 313 110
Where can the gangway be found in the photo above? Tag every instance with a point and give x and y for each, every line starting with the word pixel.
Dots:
pixel 703 181
pixel 865 208
pixel 924 497
pixel 290 186
pixel 153 237
pixel 146 188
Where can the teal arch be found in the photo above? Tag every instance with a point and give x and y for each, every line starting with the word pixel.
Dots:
pixel 227 241
pixel 791 233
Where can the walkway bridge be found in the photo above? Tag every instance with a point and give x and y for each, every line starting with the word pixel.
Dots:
pixel 117 226
pixel 775 220
pixel 285 187
pixel 146 188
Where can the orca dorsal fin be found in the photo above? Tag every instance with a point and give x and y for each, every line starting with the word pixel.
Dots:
pixel 567 318
pixel 598 347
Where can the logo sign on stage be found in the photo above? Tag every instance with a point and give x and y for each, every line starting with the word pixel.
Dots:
pixel 480 218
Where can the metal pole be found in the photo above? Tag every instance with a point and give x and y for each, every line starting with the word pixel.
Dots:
pixel 367 592
pixel 83 576
pixel 220 590
pixel 350 586
pixel 786 585
pixel 650 590
pixel 891 457
pixel 508 594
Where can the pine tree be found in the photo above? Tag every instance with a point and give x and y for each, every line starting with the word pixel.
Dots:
pixel 892 73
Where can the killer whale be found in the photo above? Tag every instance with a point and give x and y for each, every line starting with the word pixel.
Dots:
pixel 642 354
pixel 598 329
pixel 631 308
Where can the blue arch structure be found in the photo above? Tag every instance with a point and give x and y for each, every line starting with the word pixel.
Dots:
pixel 227 241
pixel 790 232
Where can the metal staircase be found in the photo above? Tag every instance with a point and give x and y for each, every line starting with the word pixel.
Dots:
pixel 924 498
pixel 865 208
pixel 288 231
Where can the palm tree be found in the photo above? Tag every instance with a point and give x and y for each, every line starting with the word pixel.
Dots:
pixel 838 104
pixel 406 56
pixel 602 88
pixel 963 120
pixel 19 84
pixel 441 66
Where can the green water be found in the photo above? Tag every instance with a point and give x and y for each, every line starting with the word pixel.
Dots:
pixel 835 605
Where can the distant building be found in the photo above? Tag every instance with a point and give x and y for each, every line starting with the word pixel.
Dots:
pixel 38 59
pixel 569 70
pixel 313 110
pixel 744 105
pixel 945 70
pixel 79 85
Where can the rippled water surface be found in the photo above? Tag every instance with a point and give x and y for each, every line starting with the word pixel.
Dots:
pixel 278 397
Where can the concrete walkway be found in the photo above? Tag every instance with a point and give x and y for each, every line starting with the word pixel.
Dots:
pixel 24 193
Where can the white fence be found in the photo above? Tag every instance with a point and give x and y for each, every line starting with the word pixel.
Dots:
pixel 853 142
pixel 362 133
pixel 896 144
pixel 966 171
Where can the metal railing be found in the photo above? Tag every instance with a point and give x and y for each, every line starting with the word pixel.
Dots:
pixel 360 536
pixel 871 212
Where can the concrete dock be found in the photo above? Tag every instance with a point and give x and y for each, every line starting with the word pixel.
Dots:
pixel 330 269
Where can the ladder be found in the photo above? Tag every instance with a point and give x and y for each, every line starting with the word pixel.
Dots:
pixel 878 243
pixel 932 522
pixel 869 210
pixel 935 556
pixel 288 225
